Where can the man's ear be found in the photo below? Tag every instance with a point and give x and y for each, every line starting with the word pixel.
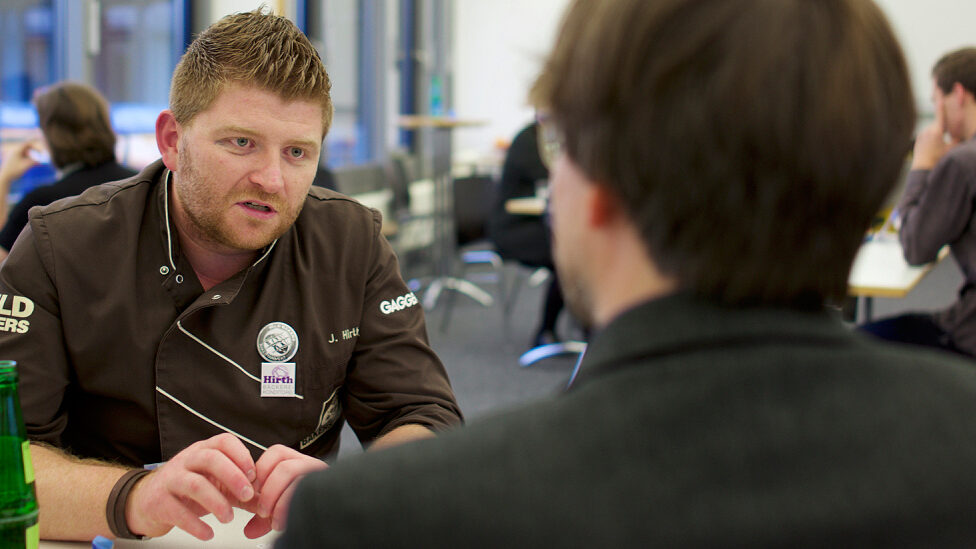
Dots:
pixel 604 206
pixel 168 132
pixel 959 93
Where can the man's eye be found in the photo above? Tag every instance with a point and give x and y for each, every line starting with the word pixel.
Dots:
pixel 296 152
pixel 242 141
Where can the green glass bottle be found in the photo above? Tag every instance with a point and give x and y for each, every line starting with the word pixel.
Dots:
pixel 18 503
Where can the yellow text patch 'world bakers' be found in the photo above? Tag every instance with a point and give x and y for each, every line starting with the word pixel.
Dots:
pixel 14 310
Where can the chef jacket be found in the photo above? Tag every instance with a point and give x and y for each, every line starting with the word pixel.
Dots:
pixel 122 355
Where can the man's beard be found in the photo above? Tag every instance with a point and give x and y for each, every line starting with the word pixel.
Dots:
pixel 205 211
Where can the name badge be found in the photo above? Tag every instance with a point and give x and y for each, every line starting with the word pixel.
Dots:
pixel 278 379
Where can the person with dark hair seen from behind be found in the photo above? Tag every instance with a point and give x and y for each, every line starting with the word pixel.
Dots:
pixel 77 130
pixel 715 166
pixel 194 338
pixel 938 205
pixel 525 238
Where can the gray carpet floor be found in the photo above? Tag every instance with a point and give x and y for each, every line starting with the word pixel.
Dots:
pixel 480 347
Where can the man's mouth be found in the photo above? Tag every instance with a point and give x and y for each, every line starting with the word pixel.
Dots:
pixel 257 206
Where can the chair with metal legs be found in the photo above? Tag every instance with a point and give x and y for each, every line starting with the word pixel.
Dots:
pixel 471 203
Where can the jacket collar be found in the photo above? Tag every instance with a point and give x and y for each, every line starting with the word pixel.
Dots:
pixel 683 323
pixel 172 241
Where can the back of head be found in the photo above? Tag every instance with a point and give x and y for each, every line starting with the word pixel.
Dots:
pixel 76 124
pixel 256 49
pixel 750 141
pixel 956 66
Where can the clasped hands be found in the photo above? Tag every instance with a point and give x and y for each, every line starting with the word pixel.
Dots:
pixel 213 476
pixel 930 143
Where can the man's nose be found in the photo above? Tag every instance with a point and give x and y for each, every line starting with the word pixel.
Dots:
pixel 268 175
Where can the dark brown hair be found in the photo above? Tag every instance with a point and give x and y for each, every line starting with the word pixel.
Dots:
pixel 253 48
pixel 76 125
pixel 956 66
pixel 751 141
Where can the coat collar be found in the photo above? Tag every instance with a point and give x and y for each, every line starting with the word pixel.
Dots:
pixel 683 323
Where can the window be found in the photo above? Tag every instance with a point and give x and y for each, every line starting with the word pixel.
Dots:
pixel 27 62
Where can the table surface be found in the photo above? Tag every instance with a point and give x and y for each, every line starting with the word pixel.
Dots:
pixel 415 121
pixel 226 536
pixel 529 205
pixel 880 269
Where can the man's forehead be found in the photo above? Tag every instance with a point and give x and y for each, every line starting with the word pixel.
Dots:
pixel 253 111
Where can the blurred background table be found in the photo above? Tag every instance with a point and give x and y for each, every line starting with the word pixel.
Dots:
pixel 880 270
pixel 437 133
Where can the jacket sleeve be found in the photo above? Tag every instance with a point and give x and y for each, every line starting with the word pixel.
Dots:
pixel 935 209
pixel 394 377
pixel 31 334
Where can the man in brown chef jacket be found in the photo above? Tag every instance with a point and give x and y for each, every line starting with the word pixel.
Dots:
pixel 214 314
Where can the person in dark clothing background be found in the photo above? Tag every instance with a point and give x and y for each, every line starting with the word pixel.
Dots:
pixel 526 238
pixel 77 129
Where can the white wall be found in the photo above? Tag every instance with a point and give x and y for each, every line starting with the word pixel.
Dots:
pixel 499 45
pixel 209 11
pixel 928 29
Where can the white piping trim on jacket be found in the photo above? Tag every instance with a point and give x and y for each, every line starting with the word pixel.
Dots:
pixel 179 325
pixel 208 420
pixel 266 252
pixel 169 237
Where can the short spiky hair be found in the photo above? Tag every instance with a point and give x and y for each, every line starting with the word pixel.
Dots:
pixel 253 48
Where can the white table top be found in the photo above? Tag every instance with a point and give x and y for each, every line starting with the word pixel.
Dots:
pixel 529 205
pixel 226 536
pixel 880 269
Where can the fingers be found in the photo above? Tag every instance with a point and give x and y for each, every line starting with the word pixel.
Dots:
pixel 184 519
pixel 257 527
pixel 278 469
pixel 280 514
pixel 23 150
pixel 153 508
pixel 234 467
pixel 18 162
pixel 209 476
pixel 940 114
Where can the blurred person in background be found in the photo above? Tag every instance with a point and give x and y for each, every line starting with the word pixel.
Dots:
pixel 937 208
pixel 77 131
pixel 525 238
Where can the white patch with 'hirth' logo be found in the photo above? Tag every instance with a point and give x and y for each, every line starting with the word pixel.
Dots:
pixel 278 379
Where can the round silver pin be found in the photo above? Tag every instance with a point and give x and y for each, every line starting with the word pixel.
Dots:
pixel 277 342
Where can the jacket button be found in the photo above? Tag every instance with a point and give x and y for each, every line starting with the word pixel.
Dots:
pixel 164 270
pixel 215 297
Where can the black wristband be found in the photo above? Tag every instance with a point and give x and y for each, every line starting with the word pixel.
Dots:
pixel 115 507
